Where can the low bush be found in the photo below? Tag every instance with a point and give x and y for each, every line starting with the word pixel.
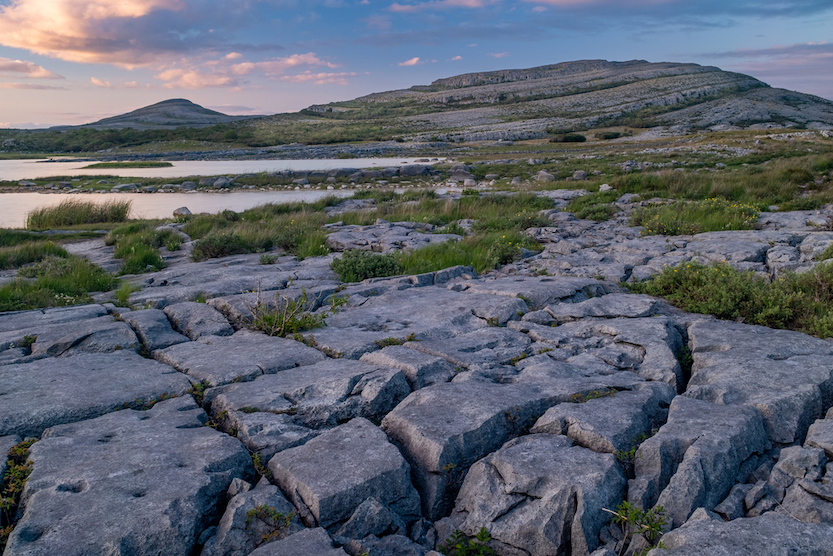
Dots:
pixel 694 217
pixel 25 253
pixel 219 244
pixel 356 265
pixel 569 138
pixel 802 302
pixel 72 212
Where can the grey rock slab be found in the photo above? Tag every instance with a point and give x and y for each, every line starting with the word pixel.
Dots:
pixel 242 356
pixel 732 506
pixel 153 328
pixel 607 306
pixel 99 335
pixel 540 495
pixel 320 394
pixel 695 458
pixel 130 482
pixel 26 320
pixel 309 541
pixel 267 433
pixel 809 502
pixel 428 313
pixel 646 346
pixel 331 475
pixel 541 291
pixel 371 518
pixel 53 391
pixel 198 319
pixel 820 435
pixel 610 423
pixel 481 348
pixel 768 535
pixel 419 368
pixel 786 375
pixel 390 545
pixel 239 533
pixel 443 429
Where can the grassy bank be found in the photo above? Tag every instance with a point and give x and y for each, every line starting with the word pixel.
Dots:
pixel 72 212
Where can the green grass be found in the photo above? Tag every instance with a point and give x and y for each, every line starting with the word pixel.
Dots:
pixel 30 252
pixel 481 251
pixel 55 281
pixel 694 217
pixel 138 243
pixel 802 302
pixel 356 265
pixel 72 212
pixel 147 164
pixel 596 206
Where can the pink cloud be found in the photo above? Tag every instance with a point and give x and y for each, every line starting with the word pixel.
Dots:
pixel 27 69
pixel 194 79
pixel 456 58
pixel 277 66
pixel 440 5
pixel 411 62
pixel 99 83
pixel 30 86
pixel 79 30
pixel 498 54
pixel 319 78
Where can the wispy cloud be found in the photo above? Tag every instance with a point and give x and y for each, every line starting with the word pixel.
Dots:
pixel 456 58
pixel 100 83
pixel 319 78
pixel 440 5
pixel 412 62
pixel 498 54
pixel 30 86
pixel 26 69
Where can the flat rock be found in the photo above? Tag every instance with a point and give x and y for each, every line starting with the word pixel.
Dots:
pixel 427 313
pixel 538 494
pixel 542 291
pixel 131 482
pixel 486 347
pixel 317 395
pixel 198 319
pixel 331 475
pixel 99 335
pixel 153 328
pixel 443 429
pixel 607 306
pixel 610 423
pixel 243 356
pixel 695 458
pixel 419 368
pixel 768 535
pixel 26 320
pixel 308 541
pixel 55 391
pixel 783 374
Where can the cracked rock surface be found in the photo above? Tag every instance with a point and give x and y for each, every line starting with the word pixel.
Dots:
pixel 528 404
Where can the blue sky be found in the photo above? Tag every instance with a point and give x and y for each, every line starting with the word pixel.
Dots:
pixel 76 61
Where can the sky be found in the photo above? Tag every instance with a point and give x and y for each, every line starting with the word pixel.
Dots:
pixel 68 62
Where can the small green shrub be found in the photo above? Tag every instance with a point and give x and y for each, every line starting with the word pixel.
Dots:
pixel 596 206
pixel 569 138
pixel 221 244
pixel 123 293
pixel 267 259
pixel 288 316
pixel 458 544
pixel 356 265
pixel 608 135
pixel 635 521
pixel 18 469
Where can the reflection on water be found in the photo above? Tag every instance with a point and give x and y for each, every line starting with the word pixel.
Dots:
pixel 15 170
pixel 15 206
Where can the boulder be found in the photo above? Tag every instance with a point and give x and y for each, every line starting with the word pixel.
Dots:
pixel 785 375
pixel 420 369
pixel 100 335
pixel 252 518
pixel 695 458
pixel 54 391
pixel 198 319
pixel 242 356
pixel 188 186
pixel 330 476
pixel 153 328
pixel 538 494
pixel 139 482
pixel 181 211
pixel 443 429
pixel 371 518
pixel 308 541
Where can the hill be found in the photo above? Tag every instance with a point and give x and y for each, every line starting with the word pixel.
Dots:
pixel 173 113
pixel 521 103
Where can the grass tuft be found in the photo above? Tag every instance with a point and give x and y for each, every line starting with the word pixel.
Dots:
pixel 72 212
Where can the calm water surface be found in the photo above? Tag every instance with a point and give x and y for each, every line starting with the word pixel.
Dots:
pixel 15 206
pixel 15 170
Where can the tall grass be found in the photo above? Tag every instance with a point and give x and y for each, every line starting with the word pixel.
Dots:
pixel 694 217
pixel 72 212
pixel 25 253
pixel 138 243
pixel 55 281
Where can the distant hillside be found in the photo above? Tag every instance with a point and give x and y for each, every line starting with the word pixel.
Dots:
pixel 520 103
pixel 173 113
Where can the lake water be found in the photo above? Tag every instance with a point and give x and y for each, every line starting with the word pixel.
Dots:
pixel 15 206
pixel 15 170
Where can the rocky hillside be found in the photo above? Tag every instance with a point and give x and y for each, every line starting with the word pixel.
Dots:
pixel 172 113
pixel 513 104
